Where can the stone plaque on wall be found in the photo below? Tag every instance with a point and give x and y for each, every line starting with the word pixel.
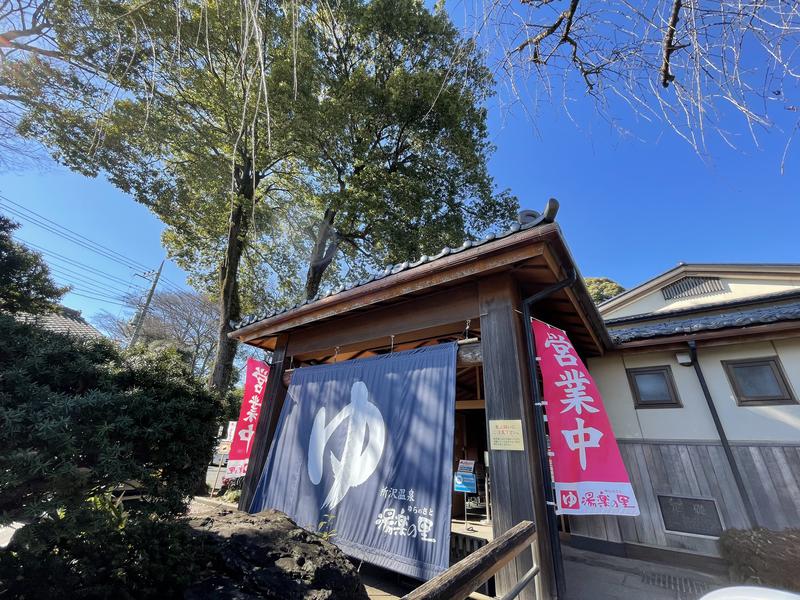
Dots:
pixel 698 516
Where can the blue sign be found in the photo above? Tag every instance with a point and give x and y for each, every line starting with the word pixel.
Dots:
pixel 366 447
pixel 464 482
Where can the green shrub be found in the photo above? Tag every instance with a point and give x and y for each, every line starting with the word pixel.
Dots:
pixel 91 552
pixel 80 418
pixel 85 427
pixel 764 556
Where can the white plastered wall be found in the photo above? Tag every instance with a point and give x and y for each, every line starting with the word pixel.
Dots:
pixel 691 422
pixel 774 423
pixel 778 423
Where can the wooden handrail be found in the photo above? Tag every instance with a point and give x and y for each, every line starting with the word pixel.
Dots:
pixel 464 577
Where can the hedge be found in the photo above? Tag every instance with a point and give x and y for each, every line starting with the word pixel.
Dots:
pixel 764 556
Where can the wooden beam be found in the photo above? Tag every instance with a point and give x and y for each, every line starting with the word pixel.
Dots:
pixel 464 577
pixel 470 404
pixel 403 341
pixel 505 387
pixel 469 355
pixel 412 315
pixel 274 396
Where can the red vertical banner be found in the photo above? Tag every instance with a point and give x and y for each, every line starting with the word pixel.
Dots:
pixel 589 475
pixel 255 382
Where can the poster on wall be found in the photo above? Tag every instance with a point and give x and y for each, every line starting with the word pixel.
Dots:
pixel 589 475
pixel 364 449
pixel 255 383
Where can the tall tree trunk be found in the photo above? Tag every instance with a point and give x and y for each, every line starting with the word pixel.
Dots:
pixel 229 306
pixel 325 246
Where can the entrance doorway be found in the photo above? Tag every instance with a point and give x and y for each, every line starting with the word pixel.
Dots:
pixel 473 509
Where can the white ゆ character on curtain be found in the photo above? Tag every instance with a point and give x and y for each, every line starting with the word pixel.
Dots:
pixel 356 463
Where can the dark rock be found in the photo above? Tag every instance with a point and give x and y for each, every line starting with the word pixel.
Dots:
pixel 269 556
pixel 217 587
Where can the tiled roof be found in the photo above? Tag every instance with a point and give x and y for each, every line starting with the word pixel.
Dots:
pixel 69 322
pixel 536 219
pixel 755 316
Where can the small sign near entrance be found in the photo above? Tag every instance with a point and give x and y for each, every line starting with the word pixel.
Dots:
pixel 698 516
pixel 466 466
pixel 506 435
pixel 464 482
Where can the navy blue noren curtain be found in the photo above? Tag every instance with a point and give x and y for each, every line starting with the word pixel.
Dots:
pixel 367 447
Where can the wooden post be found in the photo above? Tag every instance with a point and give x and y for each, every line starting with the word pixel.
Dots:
pixel 274 396
pixel 507 398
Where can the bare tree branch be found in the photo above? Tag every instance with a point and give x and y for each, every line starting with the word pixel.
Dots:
pixel 624 54
pixel 669 48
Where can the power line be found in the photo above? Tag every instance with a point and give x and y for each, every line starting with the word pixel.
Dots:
pixel 60 257
pixel 100 299
pixel 86 279
pixel 95 292
pixel 71 239
pixel 69 234
pixel 130 264
pixel 91 245
pixel 88 288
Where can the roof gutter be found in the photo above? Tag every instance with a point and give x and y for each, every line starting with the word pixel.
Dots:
pixel 541 442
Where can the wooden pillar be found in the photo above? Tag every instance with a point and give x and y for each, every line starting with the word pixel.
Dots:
pixel 516 481
pixel 274 396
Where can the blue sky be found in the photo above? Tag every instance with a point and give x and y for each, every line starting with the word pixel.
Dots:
pixel 630 208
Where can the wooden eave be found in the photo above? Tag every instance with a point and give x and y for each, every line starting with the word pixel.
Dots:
pixel 536 257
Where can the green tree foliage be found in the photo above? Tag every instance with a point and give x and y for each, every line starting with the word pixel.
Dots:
pixel 397 140
pixel 25 283
pixel 190 134
pixel 232 404
pixel 273 139
pixel 80 419
pixel 602 288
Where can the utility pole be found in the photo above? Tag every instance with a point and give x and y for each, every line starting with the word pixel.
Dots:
pixel 146 306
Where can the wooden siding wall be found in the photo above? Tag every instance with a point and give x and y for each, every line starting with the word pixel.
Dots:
pixel 700 469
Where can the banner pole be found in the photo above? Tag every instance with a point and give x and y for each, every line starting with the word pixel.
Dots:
pixel 216 478
pixel 541 442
